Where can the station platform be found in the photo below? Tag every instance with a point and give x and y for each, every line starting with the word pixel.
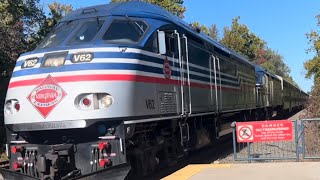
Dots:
pixel 254 171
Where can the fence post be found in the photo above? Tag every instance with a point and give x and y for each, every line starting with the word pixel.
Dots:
pixel 303 143
pixel 297 132
pixel 249 155
pixel 233 126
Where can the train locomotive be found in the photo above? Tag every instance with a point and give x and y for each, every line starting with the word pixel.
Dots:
pixel 129 83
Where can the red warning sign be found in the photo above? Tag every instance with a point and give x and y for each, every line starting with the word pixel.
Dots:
pixel 245 132
pixel 262 131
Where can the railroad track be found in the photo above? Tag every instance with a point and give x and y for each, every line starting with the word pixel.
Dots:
pixel 206 155
pixel 4 164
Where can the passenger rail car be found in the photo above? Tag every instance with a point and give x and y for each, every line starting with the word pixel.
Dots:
pixel 125 83
pixel 293 98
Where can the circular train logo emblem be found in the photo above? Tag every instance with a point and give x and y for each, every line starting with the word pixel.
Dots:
pixel 46 96
pixel 167 69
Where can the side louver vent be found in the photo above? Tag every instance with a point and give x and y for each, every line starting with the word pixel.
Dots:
pixel 168 102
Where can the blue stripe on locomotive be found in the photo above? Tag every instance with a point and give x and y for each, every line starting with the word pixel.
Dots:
pixel 121 66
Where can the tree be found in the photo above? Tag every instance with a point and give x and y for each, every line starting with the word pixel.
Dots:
pixel 57 12
pixel 22 25
pixel 240 39
pixel 273 62
pixel 202 28
pixel 313 70
pixel 174 6
pixel 213 32
pixel 19 20
pixel 313 65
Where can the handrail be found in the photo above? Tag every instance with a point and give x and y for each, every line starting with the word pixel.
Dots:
pixel 220 88
pixel 210 73
pixel 215 82
pixel 181 68
pixel 188 71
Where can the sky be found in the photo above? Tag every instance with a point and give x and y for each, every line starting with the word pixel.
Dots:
pixel 283 24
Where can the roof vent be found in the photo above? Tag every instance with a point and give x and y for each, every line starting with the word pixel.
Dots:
pixel 89 10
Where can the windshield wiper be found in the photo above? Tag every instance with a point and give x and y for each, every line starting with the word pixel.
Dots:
pixel 135 26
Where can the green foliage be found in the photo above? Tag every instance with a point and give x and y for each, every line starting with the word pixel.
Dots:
pixel 202 28
pixel 313 70
pixel 273 62
pixel 57 12
pixel 214 32
pixel 240 39
pixel 313 65
pixel 19 20
pixel 174 6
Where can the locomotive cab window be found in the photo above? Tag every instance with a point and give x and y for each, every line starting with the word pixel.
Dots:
pixel 58 35
pixel 125 31
pixel 86 32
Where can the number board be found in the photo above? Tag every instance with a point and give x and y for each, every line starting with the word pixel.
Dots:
pixel 28 63
pixel 83 57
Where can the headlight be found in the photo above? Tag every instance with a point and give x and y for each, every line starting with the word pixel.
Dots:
pixel 93 101
pixel 106 101
pixel 54 60
pixel 12 106
pixel 8 107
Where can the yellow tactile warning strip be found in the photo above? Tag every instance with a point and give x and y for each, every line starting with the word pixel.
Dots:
pixel 190 170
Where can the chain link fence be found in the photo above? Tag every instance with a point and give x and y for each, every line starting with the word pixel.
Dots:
pixel 311 139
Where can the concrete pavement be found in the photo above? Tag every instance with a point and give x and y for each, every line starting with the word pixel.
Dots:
pixel 258 171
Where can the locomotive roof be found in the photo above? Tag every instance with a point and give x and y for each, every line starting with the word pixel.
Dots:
pixel 144 10
pixel 260 69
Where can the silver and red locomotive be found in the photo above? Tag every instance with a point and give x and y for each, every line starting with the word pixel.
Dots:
pixel 128 82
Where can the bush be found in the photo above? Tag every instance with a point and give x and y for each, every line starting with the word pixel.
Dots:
pixel 313 105
pixel 312 129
